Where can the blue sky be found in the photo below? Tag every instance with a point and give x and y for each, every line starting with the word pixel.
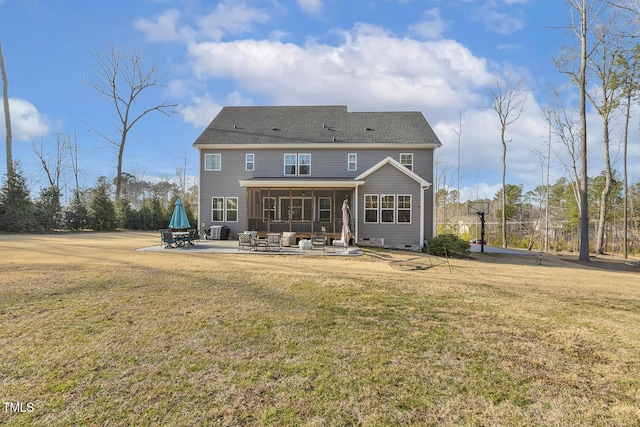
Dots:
pixel 434 56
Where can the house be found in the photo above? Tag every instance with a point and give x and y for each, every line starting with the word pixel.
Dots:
pixel 275 169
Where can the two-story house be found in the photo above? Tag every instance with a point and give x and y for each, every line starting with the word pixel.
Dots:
pixel 274 169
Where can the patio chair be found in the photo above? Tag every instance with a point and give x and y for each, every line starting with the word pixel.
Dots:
pixel 273 241
pixel 319 240
pixel 168 240
pixel 193 237
pixel 245 241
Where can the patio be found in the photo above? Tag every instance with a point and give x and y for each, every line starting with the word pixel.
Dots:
pixel 231 247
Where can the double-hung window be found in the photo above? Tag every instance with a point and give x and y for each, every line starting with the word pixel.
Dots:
pixel 352 161
pixel 224 209
pixel 290 163
pixel 249 161
pixel 268 208
pixel 406 159
pixel 324 209
pixel 370 208
pixel 304 164
pixel 404 208
pixel 388 207
pixel 297 164
pixel 213 162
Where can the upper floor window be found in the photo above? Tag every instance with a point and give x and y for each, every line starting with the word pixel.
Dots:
pixel 352 161
pixel 406 159
pixel 212 162
pixel 290 163
pixel 304 164
pixel 297 164
pixel 249 161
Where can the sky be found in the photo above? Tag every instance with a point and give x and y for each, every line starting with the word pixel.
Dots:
pixel 439 57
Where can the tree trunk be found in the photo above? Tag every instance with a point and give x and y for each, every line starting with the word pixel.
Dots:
pixel 504 191
pixel 604 197
pixel 7 115
pixel 582 83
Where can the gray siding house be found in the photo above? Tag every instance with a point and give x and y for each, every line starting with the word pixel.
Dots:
pixel 275 169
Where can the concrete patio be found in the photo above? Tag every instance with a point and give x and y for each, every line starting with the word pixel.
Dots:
pixel 231 247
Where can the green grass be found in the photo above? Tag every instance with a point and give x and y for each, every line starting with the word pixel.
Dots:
pixel 103 335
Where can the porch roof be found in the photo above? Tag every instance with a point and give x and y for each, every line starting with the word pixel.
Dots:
pixel 301 183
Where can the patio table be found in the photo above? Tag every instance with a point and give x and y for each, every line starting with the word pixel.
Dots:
pixel 179 236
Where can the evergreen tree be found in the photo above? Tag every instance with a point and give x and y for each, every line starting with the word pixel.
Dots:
pixel 16 208
pixel 101 208
pixel 48 209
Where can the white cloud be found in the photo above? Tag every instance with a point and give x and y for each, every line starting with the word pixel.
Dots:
pixel 431 27
pixel 369 69
pixel 310 6
pixel 201 112
pixel 26 121
pixel 230 18
pixel 164 28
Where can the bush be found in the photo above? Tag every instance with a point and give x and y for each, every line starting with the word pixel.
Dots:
pixel 448 245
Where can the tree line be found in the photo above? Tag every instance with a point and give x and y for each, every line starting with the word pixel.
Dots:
pixel 143 205
pixel 545 219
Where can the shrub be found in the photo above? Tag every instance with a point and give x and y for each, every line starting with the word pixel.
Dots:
pixel 449 245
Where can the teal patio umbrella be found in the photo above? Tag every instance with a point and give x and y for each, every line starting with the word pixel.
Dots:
pixel 179 218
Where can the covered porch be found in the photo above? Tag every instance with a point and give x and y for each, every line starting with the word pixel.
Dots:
pixel 300 206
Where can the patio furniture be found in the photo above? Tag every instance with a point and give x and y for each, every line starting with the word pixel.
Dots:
pixel 305 244
pixel 288 238
pixel 319 240
pixel 245 241
pixel 273 241
pixel 192 237
pixel 168 240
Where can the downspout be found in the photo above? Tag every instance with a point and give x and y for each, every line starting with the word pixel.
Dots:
pixel 202 224
pixel 355 219
pixel 422 190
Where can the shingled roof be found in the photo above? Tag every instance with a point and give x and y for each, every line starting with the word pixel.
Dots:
pixel 315 124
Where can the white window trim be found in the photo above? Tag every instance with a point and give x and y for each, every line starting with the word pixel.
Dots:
pixel 224 209
pixel 294 164
pixel 308 166
pixel 212 154
pixel 246 162
pixel 404 209
pixel 216 210
pixel 355 162
pixel 265 209
pixel 366 209
pixel 407 165
pixel 383 209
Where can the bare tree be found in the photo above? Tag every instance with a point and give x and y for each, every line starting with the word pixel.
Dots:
pixel 603 65
pixel 53 169
pixel 509 101
pixel 573 62
pixel 7 115
pixel 122 78
pixel 630 80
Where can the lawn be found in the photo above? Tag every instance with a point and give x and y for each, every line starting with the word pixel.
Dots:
pixel 93 332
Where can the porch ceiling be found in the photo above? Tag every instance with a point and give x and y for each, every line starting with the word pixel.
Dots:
pixel 301 183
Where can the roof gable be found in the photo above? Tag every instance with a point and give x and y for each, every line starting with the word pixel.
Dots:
pixel 332 125
pixel 393 162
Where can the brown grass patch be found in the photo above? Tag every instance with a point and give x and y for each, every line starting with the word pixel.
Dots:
pixel 96 333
